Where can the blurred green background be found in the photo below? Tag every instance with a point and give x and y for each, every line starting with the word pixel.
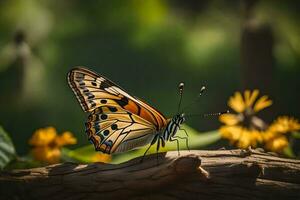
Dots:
pixel 147 47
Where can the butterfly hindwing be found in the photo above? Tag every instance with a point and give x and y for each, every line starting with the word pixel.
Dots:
pixel 93 90
pixel 117 131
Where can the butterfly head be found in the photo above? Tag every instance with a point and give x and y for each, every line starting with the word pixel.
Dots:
pixel 179 118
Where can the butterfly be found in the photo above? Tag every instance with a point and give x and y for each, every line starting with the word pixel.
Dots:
pixel 117 121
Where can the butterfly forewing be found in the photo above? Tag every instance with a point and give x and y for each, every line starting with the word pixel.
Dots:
pixel 93 90
pixel 117 121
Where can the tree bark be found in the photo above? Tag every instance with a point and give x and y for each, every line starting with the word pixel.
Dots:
pixel 220 174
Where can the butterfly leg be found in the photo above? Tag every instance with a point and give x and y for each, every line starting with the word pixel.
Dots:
pixel 186 141
pixel 153 142
pixel 160 142
pixel 175 139
pixel 157 149
pixel 186 138
pixel 182 129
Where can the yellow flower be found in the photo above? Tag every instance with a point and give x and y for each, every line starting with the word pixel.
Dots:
pixel 243 128
pixel 241 137
pixel 284 124
pixel 47 144
pixel 241 103
pixel 101 157
pixel 65 139
pixel 47 154
pixel 246 107
pixel 42 137
pixel 275 137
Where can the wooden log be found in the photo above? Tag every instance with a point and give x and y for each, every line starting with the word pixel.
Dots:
pixel 215 174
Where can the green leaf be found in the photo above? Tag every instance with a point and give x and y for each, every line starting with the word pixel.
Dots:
pixel 296 135
pixel 24 162
pixel 83 154
pixel 288 151
pixel 7 149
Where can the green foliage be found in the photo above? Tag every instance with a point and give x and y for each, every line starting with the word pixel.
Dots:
pixel 296 135
pixel 288 151
pixel 7 149
pixel 82 154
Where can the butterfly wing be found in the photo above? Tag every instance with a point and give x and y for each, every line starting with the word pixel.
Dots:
pixel 118 131
pixel 93 90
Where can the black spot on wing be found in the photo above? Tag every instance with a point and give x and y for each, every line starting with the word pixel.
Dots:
pixel 81 83
pixel 90 96
pixel 104 84
pixel 93 104
pixel 103 101
pixel 112 109
pixel 106 132
pixel 114 126
pixel 122 102
pixel 85 91
pixel 103 116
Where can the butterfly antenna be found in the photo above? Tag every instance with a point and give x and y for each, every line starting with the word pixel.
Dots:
pixel 216 114
pixel 180 87
pixel 209 114
pixel 203 88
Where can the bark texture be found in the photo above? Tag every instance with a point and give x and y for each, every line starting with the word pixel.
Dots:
pixel 219 174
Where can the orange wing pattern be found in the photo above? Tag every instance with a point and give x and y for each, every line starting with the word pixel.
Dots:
pixel 93 90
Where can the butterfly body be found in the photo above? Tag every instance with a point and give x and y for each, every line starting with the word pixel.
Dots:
pixel 169 132
pixel 117 121
pixel 173 126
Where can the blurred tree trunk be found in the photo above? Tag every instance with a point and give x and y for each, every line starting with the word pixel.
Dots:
pixel 12 77
pixel 257 61
pixel 257 43
pixel 220 174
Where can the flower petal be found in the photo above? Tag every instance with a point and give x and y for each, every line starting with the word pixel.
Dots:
pixel 232 133
pixel 284 124
pixel 241 137
pixel 66 138
pixel 244 140
pixel 250 97
pixel 262 103
pixel 277 144
pixel 247 96
pixel 236 102
pixel 229 119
